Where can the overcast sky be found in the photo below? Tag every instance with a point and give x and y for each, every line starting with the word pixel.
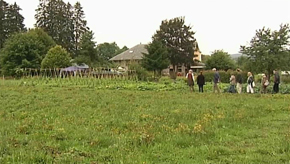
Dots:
pixel 219 24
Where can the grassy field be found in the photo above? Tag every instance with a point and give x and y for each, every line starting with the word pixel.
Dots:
pixel 52 124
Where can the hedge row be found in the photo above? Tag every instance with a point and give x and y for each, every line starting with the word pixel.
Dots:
pixel 224 75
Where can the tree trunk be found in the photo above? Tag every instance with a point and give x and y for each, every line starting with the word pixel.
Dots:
pixel 173 73
pixel 269 74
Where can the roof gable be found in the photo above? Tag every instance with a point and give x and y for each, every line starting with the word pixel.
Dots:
pixel 135 53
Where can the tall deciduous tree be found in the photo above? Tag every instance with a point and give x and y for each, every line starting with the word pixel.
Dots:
pixel 179 40
pixel 220 60
pixel 157 57
pixel 25 50
pixel 108 50
pixel 243 63
pixel 204 58
pixel 269 50
pixel 125 48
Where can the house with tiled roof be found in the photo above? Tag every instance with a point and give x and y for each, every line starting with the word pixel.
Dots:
pixel 135 55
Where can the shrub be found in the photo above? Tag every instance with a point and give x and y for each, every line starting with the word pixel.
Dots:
pixel 141 73
pixel 224 75
pixel 285 79
pixel 57 57
pixel 24 50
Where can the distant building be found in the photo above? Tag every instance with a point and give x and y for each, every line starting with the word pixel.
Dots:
pixel 132 55
pixel 135 55
pixel 197 53
pixel 197 60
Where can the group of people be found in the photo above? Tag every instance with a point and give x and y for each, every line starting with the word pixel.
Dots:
pixel 236 83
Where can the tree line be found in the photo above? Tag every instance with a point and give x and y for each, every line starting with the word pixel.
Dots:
pixel 61 32
pixel 173 44
pixel 59 27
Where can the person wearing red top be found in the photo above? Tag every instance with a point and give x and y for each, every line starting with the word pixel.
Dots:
pixel 190 80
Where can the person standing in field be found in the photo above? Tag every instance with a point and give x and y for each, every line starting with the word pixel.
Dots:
pixel 276 81
pixel 239 81
pixel 251 83
pixel 190 80
pixel 264 84
pixel 216 80
pixel 232 84
pixel 200 81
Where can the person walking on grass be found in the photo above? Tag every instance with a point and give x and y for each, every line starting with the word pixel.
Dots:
pixel 200 81
pixel 264 84
pixel 190 80
pixel 239 81
pixel 251 83
pixel 276 81
pixel 232 84
pixel 216 80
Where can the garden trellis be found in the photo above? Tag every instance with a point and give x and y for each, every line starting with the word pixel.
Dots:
pixel 90 77
pixel 73 72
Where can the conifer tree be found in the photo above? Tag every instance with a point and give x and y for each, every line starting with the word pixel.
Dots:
pixel 11 21
pixel 80 25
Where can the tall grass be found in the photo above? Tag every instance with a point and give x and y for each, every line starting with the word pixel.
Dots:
pixel 47 124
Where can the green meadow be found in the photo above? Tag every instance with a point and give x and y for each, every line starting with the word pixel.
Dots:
pixel 58 123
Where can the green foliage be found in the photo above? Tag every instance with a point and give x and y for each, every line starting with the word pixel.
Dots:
pixel 55 18
pixel 57 57
pixel 178 39
pixel 125 48
pixel 157 58
pixel 25 50
pixel 269 50
pixel 285 79
pixel 141 73
pixel 204 58
pixel 63 22
pixel 11 21
pixel 220 60
pixel 87 51
pixel 244 63
pixel 224 75
pixel 80 26
pixel 83 59
pixel 108 50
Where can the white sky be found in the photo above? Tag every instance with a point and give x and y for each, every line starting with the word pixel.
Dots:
pixel 219 24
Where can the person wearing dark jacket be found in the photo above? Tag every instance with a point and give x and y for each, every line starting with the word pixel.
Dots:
pixel 276 81
pixel 200 82
pixel 216 81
